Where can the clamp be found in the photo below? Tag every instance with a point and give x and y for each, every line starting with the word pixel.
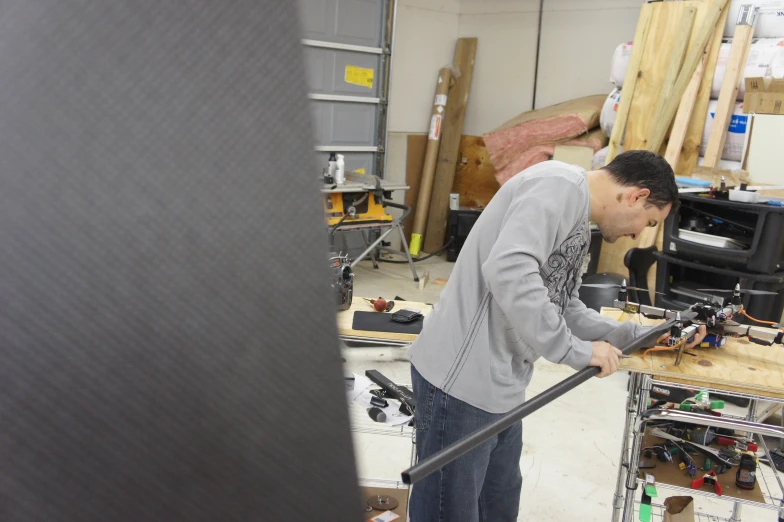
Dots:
pixel 708 478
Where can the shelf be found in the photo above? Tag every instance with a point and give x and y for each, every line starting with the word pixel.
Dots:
pixel 382 483
pixel 657 513
pixel 362 423
pixel 767 494
pixel 718 391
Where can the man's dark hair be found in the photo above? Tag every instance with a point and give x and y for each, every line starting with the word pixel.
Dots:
pixel 643 169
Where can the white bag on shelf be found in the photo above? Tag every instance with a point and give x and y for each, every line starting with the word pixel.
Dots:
pixel 610 111
pixel 736 135
pixel 763 59
pixel 768 25
pixel 599 158
pixel 620 63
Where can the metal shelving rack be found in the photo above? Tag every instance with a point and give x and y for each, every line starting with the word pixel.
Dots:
pixel 657 515
pixel 362 423
pixel 770 480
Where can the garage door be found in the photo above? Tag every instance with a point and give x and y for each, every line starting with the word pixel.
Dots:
pixel 347 56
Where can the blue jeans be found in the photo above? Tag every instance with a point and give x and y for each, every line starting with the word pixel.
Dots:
pixel 481 485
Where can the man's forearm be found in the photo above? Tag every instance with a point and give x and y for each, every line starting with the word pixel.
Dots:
pixel 589 325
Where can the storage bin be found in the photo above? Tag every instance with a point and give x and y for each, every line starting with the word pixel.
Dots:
pixel 679 279
pixel 729 234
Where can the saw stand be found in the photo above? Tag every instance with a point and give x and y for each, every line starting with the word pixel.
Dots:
pixel 352 221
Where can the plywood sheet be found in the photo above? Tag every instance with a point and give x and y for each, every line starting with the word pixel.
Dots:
pixel 657 60
pixel 345 320
pixel 475 176
pixel 690 150
pixel 740 364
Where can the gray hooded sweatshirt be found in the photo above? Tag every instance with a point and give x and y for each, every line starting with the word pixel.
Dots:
pixel 512 296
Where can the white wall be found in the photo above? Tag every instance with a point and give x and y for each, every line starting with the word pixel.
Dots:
pixel 425 35
pixel 578 40
pixel 503 81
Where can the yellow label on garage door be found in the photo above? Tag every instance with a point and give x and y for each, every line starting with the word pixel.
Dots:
pixel 359 76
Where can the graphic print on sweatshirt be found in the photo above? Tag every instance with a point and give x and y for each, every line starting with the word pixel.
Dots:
pixel 562 269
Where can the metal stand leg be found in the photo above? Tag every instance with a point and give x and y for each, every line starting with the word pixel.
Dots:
pixel 644 386
pixel 371 247
pixel 623 462
pixel 365 234
pixel 405 248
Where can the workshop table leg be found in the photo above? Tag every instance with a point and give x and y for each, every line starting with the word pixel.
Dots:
pixel 623 462
pixel 644 387
pixel 408 254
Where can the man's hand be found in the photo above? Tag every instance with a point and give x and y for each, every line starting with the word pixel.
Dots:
pixel 605 356
pixel 702 331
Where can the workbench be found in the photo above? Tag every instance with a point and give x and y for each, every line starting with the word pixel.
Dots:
pixel 740 368
pixel 346 332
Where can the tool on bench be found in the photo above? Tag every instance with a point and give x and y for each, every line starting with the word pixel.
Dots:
pixel 718 455
pixel 395 391
pixel 746 476
pixel 740 444
pixel 709 478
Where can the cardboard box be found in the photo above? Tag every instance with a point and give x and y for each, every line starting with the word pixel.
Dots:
pixel 574 155
pixel 764 96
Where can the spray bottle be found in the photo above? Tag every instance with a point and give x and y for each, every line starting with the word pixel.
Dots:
pixel 340 172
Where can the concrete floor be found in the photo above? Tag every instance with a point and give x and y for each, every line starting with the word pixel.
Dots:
pixel 571 447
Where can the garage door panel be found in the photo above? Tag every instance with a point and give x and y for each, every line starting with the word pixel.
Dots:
pixel 320 69
pixel 317 18
pixel 359 161
pixel 359 22
pixel 353 124
pixel 356 68
pixel 355 161
pixel 342 72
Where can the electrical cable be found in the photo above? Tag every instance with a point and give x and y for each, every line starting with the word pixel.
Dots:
pixel 743 313
pixel 405 261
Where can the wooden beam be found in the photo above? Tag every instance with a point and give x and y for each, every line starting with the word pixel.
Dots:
pixel 741 41
pixel 699 42
pixel 630 81
pixel 682 118
pixel 690 148
pixel 431 155
pixel 465 54
pixel 676 57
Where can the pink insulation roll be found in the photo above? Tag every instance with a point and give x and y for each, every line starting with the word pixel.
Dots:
pixel 544 152
pixel 531 136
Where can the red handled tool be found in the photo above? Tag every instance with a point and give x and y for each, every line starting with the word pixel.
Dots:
pixel 708 478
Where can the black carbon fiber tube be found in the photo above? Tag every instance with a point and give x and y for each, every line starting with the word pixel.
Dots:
pixel 469 442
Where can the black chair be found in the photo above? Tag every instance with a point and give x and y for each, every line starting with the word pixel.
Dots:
pixel 596 298
pixel 639 261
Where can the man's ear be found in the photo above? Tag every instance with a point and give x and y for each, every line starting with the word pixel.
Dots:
pixel 638 194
